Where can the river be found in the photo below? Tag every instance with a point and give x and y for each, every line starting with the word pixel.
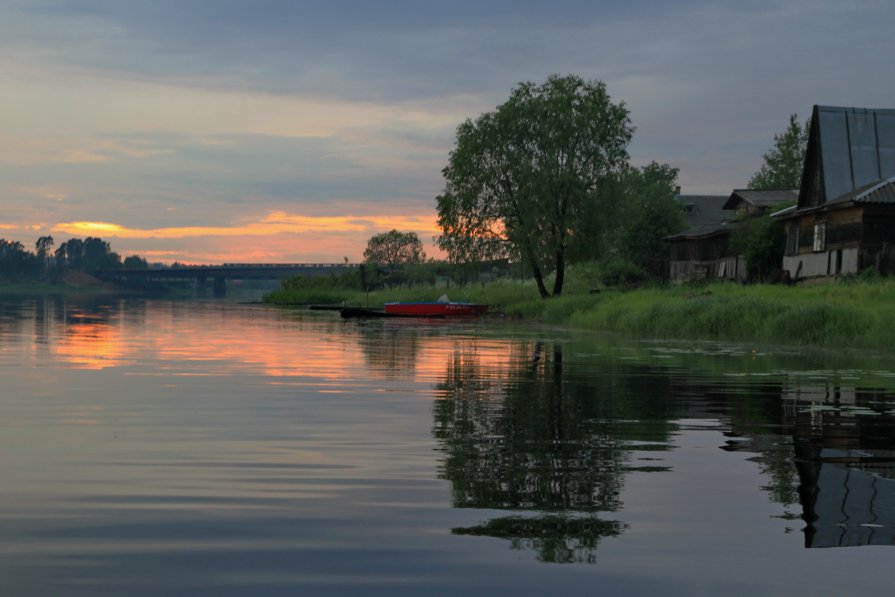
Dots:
pixel 184 448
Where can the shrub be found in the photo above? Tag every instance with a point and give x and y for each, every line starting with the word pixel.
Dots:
pixel 619 272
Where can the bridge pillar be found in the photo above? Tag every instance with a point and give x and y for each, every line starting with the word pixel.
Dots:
pixel 201 286
pixel 220 287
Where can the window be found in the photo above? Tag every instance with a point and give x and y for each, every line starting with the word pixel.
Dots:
pixel 820 236
pixel 792 240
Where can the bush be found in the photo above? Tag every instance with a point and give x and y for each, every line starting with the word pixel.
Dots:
pixel 618 272
pixel 868 274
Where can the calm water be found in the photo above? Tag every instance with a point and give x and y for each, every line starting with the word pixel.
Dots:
pixel 152 447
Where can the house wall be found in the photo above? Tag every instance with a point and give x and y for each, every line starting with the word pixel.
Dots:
pixel 841 262
pixel 727 268
pixel 878 242
pixel 700 249
pixel 844 228
pixel 842 253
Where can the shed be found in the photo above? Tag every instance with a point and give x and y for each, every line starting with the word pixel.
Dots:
pixel 695 252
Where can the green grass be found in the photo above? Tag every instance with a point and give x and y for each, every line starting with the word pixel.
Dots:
pixel 850 314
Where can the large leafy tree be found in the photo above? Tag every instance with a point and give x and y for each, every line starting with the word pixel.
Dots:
pixel 783 163
pixel 522 180
pixel 394 248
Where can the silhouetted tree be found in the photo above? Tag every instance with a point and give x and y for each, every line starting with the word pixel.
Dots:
pixel 44 248
pixel 90 254
pixel 135 262
pixel 16 262
pixel 393 248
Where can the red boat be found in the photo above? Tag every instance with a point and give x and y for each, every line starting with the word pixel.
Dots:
pixel 435 309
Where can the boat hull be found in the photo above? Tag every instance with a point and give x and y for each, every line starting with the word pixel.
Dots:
pixel 436 309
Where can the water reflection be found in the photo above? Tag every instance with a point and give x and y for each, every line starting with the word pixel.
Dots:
pixel 542 434
pixel 391 348
pixel 92 333
pixel 845 457
pixel 554 438
pixel 830 461
pixel 272 445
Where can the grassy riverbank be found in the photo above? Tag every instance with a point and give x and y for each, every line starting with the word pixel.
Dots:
pixel 847 314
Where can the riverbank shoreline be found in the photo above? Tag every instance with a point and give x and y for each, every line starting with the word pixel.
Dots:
pixel 844 314
pixel 39 289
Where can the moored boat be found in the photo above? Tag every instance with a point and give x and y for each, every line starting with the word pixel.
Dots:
pixel 436 309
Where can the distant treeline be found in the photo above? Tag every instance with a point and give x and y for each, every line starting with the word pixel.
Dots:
pixel 49 262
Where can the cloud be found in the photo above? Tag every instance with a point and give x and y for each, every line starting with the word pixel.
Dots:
pixel 273 223
pixel 188 119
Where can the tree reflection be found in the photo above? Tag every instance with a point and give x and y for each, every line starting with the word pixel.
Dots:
pixel 538 434
pixel 390 348
pixel 556 539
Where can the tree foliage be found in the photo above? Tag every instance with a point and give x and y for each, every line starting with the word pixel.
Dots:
pixel 393 249
pixel 649 212
pixel 525 179
pixel 783 163
pixel 761 240
pixel 89 255
pixel 135 262
pixel 16 262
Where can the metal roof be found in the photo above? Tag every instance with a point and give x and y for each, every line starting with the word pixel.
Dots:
pixel 786 211
pixel 848 148
pixel 876 192
pixel 767 198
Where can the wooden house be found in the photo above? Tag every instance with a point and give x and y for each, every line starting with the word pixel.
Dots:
pixel 845 218
pixel 695 251
pixel 702 252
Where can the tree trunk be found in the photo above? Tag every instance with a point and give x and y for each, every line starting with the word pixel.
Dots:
pixel 539 278
pixel 536 272
pixel 560 272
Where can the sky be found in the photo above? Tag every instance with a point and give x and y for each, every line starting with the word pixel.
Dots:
pixel 220 131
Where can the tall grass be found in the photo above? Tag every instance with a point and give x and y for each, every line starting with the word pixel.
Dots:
pixel 847 315
pixel 857 313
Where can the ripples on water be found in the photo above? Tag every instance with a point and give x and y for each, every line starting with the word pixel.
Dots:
pixel 195 447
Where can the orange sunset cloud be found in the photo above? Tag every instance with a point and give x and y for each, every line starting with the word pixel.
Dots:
pixel 275 222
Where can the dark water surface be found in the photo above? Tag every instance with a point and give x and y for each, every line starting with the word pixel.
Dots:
pixel 151 447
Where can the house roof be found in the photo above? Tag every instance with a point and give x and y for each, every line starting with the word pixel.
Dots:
pixel 848 148
pixel 697 232
pixel 881 191
pixel 704 216
pixel 767 198
pixel 700 210
pixel 876 192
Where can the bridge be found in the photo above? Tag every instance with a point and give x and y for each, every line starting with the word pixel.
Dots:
pixel 219 274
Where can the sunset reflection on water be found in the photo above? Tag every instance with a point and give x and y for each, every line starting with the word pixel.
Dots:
pixel 200 345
